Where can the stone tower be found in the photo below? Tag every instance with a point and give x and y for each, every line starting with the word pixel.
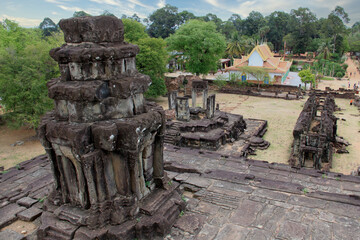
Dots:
pixel 105 142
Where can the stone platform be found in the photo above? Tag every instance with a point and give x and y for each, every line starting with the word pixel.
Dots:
pixel 227 198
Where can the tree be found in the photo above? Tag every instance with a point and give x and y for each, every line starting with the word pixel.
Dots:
pixel 152 60
pixel 278 23
pixel 201 45
pixel 257 72
pixel 81 14
pixel 107 13
pixel 307 77
pixel 133 31
pixel 263 31
pixel 335 25
pixel 302 23
pixel 324 50
pixel 25 67
pixel 164 21
pixel 185 16
pixel 253 23
pixel 48 27
pixel 237 22
pixel 235 47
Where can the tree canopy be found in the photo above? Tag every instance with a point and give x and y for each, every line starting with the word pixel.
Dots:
pixel 25 67
pixel 201 45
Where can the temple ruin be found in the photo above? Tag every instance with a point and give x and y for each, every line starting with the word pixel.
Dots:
pixel 105 142
pixel 209 128
pixel 315 133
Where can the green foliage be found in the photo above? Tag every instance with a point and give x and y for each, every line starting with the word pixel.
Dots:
pixel 133 30
pixel 164 21
pixel 181 214
pixel 305 191
pixel 48 27
pixel 220 81
pixel 201 45
pixel 152 61
pixel 80 14
pixel 307 77
pixel 258 73
pixel 25 67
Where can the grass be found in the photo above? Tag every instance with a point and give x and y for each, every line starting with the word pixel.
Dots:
pixel 327 78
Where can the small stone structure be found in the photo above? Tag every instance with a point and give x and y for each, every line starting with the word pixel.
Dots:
pixel 199 86
pixel 105 142
pixel 315 133
pixel 201 127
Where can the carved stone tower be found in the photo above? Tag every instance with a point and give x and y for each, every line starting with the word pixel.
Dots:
pixel 105 142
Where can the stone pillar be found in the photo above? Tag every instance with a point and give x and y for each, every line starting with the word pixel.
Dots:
pixel 198 86
pixel 210 106
pixel 182 109
pixel 172 99
pixel 104 140
pixel 205 95
pixel 193 97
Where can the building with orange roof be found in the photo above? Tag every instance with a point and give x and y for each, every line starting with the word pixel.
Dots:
pixel 261 56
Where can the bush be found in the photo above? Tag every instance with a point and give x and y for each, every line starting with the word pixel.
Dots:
pixel 220 81
pixel 234 77
pixel 339 74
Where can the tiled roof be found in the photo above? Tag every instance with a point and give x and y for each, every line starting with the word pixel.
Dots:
pixel 273 64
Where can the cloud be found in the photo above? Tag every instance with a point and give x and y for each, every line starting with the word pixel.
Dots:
pixel 136 2
pixel 109 2
pixel 70 9
pixel 25 22
pixel 161 3
pixel 215 3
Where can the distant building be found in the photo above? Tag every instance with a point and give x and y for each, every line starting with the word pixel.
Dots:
pixel 261 56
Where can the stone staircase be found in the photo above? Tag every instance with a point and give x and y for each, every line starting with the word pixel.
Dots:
pixel 172 132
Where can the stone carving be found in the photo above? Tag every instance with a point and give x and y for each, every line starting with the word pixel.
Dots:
pixel 104 140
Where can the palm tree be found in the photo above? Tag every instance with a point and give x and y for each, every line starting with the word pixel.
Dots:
pixel 324 50
pixel 235 47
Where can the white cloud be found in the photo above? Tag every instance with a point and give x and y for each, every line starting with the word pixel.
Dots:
pixel 161 3
pixel 25 22
pixel 70 9
pixel 54 13
pixel 141 4
pixel 109 2
pixel 215 3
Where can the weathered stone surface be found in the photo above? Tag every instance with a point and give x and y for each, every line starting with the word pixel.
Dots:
pixel 190 223
pixel 29 214
pixel 8 214
pixel 92 29
pixel 26 202
pixel 231 231
pixel 52 228
pixel 11 235
pixel 245 215
pixel 292 230
pixel 79 91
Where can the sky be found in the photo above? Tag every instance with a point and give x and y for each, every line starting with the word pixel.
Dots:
pixel 30 13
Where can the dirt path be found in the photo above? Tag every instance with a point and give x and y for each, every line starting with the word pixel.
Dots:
pixel 12 155
pixel 354 78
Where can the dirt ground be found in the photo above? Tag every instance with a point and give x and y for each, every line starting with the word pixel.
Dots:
pixel 12 155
